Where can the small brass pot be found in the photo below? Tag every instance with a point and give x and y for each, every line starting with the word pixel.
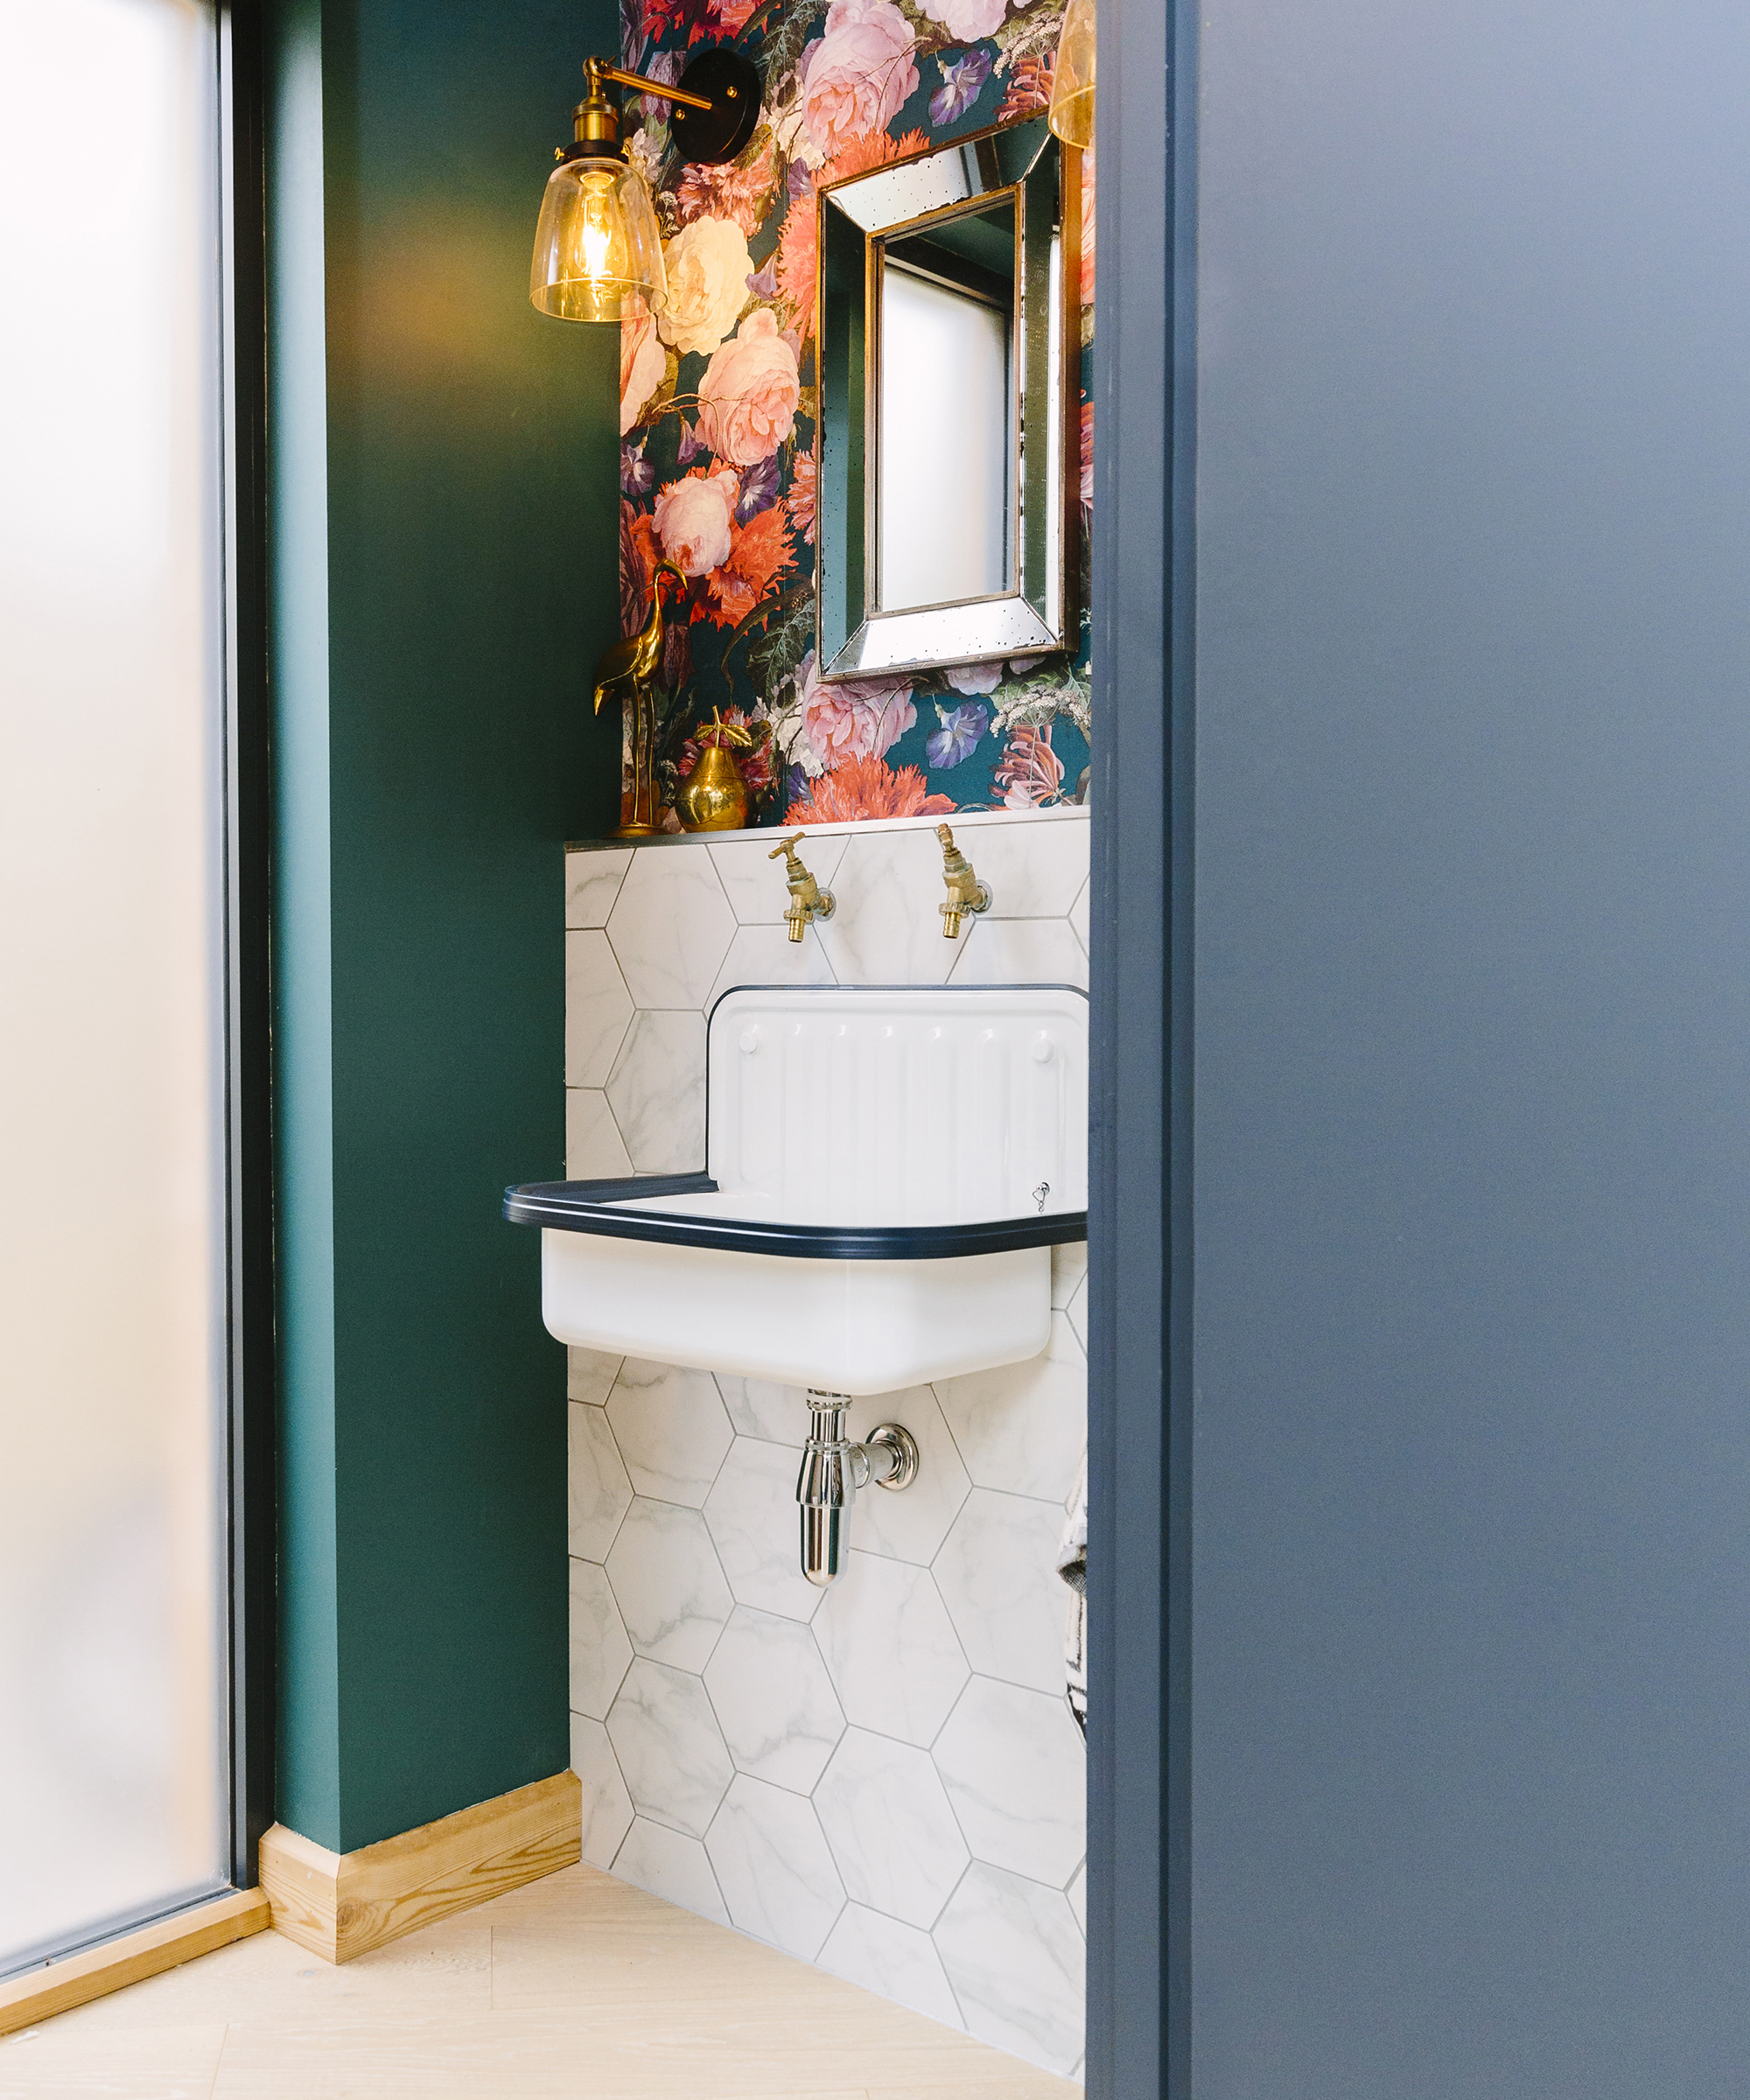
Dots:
pixel 713 797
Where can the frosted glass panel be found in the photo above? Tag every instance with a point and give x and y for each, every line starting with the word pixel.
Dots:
pixel 113 1776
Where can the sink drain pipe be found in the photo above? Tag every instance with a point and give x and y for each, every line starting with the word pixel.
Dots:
pixel 833 1469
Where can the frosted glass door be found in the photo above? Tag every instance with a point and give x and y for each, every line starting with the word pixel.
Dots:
pixel 113 1692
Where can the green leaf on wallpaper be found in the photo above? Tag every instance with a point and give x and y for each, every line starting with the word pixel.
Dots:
pixel 786 641
pixel 784 45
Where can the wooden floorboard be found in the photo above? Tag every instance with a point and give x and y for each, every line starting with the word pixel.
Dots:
pixel 576 1987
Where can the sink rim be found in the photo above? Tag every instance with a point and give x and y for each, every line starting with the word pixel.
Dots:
pixel 609 1208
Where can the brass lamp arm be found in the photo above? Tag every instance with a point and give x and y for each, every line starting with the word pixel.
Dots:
pixel 601 74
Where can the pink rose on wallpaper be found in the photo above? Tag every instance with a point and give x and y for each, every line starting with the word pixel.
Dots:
pixel 973 677
pixel 862 718
pixel 747 398
pixel 641 361
pixel 693 518
pixel 708 266
pixel 859 75
pixel 728 192
pixel 968 21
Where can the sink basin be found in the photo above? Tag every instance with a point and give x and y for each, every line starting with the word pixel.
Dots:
pixel 885 1174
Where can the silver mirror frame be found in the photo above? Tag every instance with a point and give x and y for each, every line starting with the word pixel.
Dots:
pixel 857 216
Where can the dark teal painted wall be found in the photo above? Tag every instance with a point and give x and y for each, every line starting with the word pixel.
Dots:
pixel 445 550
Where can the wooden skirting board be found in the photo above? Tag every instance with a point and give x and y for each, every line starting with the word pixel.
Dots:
pixel 341 1904
pixel 59 1987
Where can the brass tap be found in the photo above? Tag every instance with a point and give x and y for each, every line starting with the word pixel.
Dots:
pixel 808 900
pixel 965 892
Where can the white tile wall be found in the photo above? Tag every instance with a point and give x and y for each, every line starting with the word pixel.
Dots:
pixel 881 1778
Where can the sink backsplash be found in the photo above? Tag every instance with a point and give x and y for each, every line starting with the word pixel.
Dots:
pixel 882 1778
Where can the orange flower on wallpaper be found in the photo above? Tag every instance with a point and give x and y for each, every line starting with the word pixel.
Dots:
pixel 800 500
pixel 639 555
pixel 798 247
pixel 861 787
pixel 759 552
pixel 873 149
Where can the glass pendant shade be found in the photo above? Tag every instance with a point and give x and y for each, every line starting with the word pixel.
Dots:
pixel 597 243
pixel 1072 87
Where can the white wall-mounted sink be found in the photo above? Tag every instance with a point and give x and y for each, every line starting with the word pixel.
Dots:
pixel 885 1174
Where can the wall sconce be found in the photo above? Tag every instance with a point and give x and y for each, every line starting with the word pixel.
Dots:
pixel 1072 85
pixel 597 243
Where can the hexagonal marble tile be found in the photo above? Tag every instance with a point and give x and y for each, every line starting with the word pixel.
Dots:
pixel 894 1960
pixel 669 1589
pixel 671 1430
pixel 669 1747
pixel 598 1009
pixel 597 1492
pixel 657 1093
pixel 607 1806
pixel 997 1573
pixel 757 1408
pixel 594 1148
pixel 911 1524
pixel 1014 1766
pixel 891 1647
pixel 589 1376
pixel 774 1699
pixel 766 955
pixel 1016 1960
pixel 752 1513
pixel 670 926
pixel 774 1867
pixel 660 1860
pixel 891 1831
pixel 1021 951
pixel 593 880
pixel 601 1655
pixel 1022 1428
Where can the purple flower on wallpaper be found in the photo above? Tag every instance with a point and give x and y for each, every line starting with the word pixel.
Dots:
pixel 799 179
pixel 961 729
pixel 691 443
pixel 962 77
pixel 759 488
pixel 636 473
pixel 764 281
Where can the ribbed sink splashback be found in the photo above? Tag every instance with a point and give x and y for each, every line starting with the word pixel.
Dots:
pixel 914 1105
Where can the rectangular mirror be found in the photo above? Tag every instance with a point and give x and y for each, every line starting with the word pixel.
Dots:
pixel 943 412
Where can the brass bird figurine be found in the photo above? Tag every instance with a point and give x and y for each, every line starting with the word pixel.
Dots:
pixel 628 668
pixel 634 662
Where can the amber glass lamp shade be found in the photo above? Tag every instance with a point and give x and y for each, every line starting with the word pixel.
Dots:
pixel 597 243
pixel 1072 87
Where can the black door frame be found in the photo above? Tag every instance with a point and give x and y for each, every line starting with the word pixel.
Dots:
pixel 1140 1271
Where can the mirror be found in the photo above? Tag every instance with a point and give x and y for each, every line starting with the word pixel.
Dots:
pixel 943 510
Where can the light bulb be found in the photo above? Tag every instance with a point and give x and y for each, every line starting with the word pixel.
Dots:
pixel 598 242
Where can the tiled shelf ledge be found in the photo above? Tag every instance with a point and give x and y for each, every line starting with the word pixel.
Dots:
pixel 971 819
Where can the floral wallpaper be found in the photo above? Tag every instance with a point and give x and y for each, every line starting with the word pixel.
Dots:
pixel 717 406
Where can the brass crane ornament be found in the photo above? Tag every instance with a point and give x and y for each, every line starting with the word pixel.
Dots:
pixel 630 669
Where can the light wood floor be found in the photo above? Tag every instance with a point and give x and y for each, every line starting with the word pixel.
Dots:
pixel 574 1988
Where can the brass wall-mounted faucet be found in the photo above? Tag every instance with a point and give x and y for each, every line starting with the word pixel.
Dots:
pixel 965 892
pixel 808 900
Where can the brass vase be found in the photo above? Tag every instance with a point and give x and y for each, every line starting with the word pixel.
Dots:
pixel 713 797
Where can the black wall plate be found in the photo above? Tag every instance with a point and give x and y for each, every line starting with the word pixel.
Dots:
pixel 731 81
